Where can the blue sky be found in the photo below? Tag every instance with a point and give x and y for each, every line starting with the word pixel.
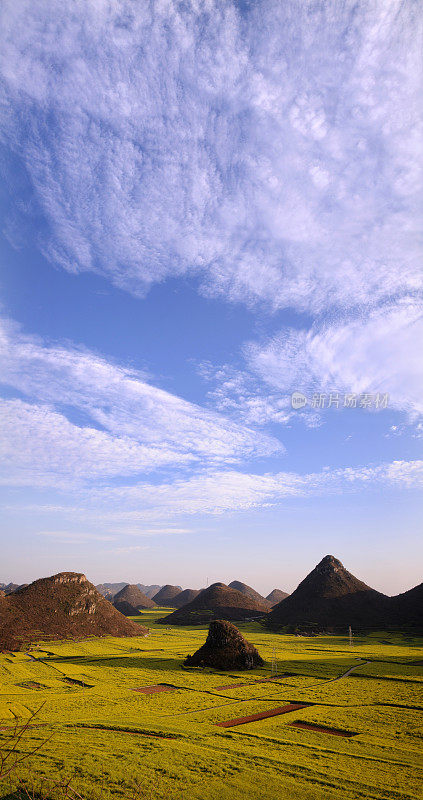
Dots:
pixel 206 207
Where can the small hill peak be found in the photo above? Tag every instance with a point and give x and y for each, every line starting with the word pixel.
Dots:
pixel 329 564
pixel 131 599
pixel 218 601
pixel 225 648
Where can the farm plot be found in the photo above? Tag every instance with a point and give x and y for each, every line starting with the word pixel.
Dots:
pixel 173 743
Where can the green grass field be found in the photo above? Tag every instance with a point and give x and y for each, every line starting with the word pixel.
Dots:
pixel 112 739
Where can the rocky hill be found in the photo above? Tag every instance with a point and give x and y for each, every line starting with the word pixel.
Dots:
pixel 225 648
pixel 406 609
pixel 330 599
pixel 217 602
pixel 131 599
pixel 63 606
pixel 184 597
pixel 276 596
pixel 249 592
pixel 166 595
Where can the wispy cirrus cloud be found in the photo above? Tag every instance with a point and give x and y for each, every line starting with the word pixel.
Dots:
pixel 378 352
pixel 268 149
pixel 375 352
pixel 127 509
pixel 40 447
pixel 142 427
pixel 230 490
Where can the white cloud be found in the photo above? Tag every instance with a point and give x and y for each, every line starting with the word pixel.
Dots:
pixel 121 509
pixel 145 427
pixel 378 352
pixel 239 394
pixel 273 151
pixel 41 447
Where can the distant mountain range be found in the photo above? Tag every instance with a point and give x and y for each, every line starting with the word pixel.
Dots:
pixel 8 588
pixel 109 590
pixel 328 599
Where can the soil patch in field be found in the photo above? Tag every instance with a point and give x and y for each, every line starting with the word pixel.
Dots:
pixel 76 682
pixel 159 687
pixel 31 685
pixel 272 712
pixel 309 726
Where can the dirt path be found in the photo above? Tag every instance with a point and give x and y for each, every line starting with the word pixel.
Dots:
pixel 261 699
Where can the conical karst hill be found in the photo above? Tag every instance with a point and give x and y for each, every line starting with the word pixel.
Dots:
pixel 276 596
pixel 330 598
pixel 150 589
pixel 217 602
pixel 249 591
pixel 131 599
pixel 166 595
pixel 63 606
pixel 109 590
pixel 406 609
pixel 225 648
pixel 185 597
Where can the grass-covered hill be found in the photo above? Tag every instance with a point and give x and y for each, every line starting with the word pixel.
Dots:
pixel 218 601
pixel 331 598
pixel 166 595
pixel 62 606
pixel 249 591
pixel 276 596
pixel 131 599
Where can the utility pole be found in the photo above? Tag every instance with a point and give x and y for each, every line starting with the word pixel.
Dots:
pixel 350 634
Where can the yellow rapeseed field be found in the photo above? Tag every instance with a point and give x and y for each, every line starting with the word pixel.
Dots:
pixel 114 742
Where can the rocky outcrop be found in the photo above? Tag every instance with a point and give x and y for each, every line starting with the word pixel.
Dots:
pixel 225 648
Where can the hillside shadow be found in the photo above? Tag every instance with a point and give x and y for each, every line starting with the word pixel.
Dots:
pixel 315 669
pixel 128 662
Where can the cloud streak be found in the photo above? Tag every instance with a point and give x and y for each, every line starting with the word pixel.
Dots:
pixel 126 510
pixel 375 353
pixel 141 426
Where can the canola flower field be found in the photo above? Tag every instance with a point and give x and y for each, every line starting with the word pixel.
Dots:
pixel 114 742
